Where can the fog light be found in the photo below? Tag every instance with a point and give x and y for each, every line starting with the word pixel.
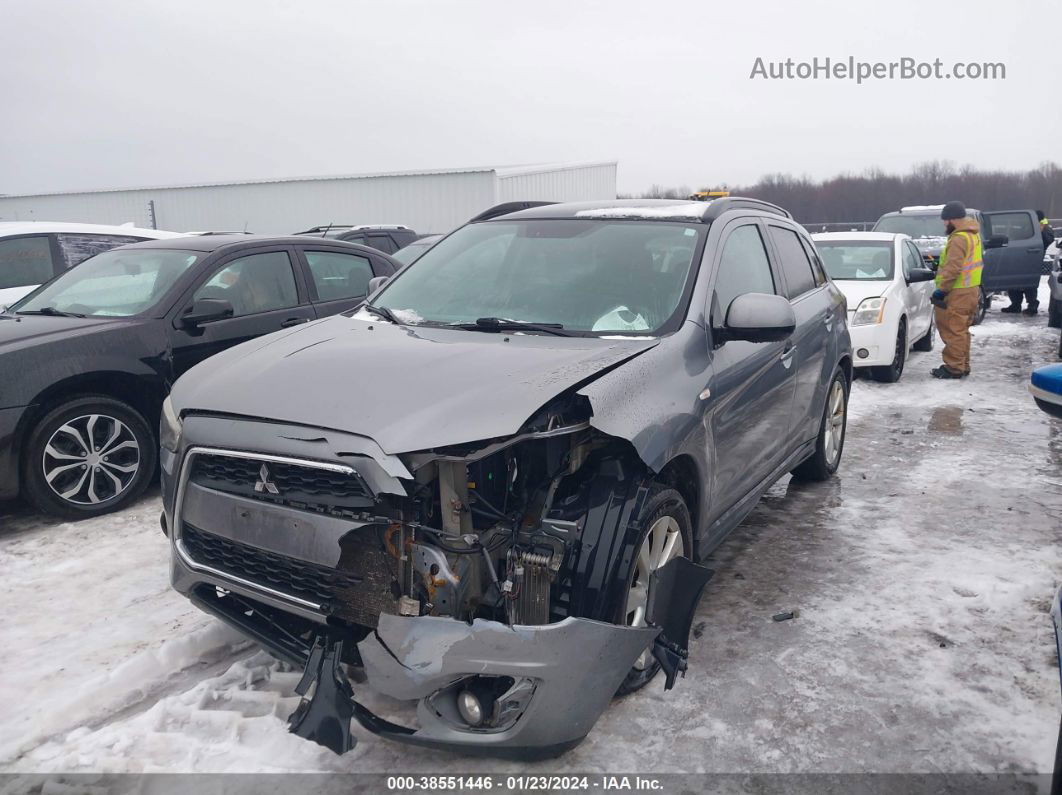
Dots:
pixel 468 704
pixel 862 353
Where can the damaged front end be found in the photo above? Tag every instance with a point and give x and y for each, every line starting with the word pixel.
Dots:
pixel 485 582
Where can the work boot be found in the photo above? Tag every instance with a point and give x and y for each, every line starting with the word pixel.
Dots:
pixel 1013 309
pixel 945 372
pixel 1032 309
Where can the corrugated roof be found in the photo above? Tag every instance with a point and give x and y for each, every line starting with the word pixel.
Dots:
pixel 501 171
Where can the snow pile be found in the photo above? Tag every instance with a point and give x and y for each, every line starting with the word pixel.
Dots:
pixel 97 628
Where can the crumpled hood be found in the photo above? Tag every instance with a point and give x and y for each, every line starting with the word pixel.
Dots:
pixel 408 388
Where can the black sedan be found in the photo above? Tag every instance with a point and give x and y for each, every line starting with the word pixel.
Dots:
pixel 87 359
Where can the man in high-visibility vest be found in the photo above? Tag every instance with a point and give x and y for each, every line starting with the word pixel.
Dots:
pixel 958 288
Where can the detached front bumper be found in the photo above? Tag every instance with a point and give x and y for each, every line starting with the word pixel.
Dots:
pixel 564 674
pixel 571 671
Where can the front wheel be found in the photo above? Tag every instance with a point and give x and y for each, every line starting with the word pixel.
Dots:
pixel 826 459
pixel 87 457
pixel 891 373
pixel 666 532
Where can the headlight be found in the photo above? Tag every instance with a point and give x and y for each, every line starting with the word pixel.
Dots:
pixel 869 312
pixel 169 427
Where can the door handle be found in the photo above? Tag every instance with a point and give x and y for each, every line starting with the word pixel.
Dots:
pixel 787 354
pixel 828 322
pixel 1033 249
pixel 294 321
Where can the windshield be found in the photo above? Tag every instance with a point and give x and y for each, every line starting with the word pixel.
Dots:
pixel 859 261
pixel 913 225
pixel 586 276
pixel 116 283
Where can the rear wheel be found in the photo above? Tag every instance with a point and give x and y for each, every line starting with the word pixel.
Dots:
pixel 87 457
pixel 891 373
pixel 926 343
pixel 983 300
pixel 666 533
pixel 1054 313
pixel 826 459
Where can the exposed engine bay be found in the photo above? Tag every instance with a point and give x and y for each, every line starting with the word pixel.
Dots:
pixel 491 532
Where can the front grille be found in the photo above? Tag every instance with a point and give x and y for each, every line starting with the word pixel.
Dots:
pixel 297 486
pixel 359 591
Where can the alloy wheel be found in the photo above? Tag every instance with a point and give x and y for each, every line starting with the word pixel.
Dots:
pixel 662 543
pixel 91 459
pixel 833 428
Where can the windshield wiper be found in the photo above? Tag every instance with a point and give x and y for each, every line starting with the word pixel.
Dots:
pixel 382 311
pixel 50 311
pixel 503 324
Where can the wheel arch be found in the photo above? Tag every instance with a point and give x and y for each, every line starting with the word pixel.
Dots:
pixel 682 474
pixel 134 390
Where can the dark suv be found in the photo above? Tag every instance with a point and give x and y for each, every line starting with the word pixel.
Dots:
pixel 90 356
pixel 387 238
pixel 487 487
pixel 1013 250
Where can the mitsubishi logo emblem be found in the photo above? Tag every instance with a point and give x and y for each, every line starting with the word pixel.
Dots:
pixel 264 485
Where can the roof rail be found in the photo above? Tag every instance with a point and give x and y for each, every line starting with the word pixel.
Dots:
pixel 505 208
pixel 717 207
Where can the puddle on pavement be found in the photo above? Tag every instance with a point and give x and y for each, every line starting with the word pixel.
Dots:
pixel 946 419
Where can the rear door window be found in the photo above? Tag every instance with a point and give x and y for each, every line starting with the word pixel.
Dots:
pixel 25 261
pixel 796 266
pixel 817 268
pixel 1016 226
pixel 77 247
pixel 338 275
pixel 383 242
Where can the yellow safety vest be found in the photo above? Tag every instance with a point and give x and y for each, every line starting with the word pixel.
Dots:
pixel 970 276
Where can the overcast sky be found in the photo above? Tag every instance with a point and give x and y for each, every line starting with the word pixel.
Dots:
pixel 120 94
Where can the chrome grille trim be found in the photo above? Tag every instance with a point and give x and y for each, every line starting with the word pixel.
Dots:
pixel 181 550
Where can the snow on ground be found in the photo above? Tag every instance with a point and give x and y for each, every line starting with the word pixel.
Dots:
pixel 922 575
pixel 90 625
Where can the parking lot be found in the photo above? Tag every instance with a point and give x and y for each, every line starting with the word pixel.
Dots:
pixel 920 577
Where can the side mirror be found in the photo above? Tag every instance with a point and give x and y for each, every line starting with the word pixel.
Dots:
pixel 376 282
pixel 920 275
pixel 758 317
pixel 203 310
pixel 997 241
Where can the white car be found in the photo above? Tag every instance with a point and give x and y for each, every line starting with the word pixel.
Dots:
pixel 32 252
pixel 888 289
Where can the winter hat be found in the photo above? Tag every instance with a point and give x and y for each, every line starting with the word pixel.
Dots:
pixel 953 211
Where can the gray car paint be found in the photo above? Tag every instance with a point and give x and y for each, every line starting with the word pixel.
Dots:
pixel 407 388
pixel 724 408
pixel 577 665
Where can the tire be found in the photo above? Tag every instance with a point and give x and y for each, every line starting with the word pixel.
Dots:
pixel 63 478
pixel 826 459
pixel 1054 313
pixel 983 300
pixel 890 373
pixel 663 503
pixel 925 344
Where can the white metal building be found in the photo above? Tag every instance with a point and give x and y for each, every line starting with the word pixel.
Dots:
pixel 428 201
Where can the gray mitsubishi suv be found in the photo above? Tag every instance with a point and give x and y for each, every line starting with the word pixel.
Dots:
pixel 488 489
